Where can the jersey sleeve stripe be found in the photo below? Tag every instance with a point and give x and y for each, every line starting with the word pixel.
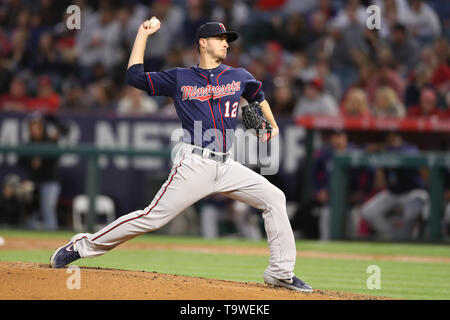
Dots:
pixel 259 87
pixel 151 82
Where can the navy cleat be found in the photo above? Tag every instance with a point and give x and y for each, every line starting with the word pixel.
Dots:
pixel 64 255
pixel 293 284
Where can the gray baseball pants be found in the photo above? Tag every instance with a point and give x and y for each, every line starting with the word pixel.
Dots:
pixel 192 178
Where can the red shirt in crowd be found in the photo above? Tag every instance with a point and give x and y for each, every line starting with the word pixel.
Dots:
pixel 11 103
pixel 48 104
pixel 441 75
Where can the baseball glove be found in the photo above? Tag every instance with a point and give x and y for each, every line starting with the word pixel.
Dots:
pixel 255 120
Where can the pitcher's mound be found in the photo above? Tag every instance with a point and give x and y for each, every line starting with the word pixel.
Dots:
pixel 31 281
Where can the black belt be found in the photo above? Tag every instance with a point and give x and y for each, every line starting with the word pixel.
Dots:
pixel 211 154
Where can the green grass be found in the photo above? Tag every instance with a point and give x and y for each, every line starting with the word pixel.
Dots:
pixel 416 249
pixel 405 280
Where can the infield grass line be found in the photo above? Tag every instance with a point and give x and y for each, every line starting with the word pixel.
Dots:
pixel 350 247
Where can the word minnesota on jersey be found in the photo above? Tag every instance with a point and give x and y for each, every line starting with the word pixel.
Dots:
pixel 208 92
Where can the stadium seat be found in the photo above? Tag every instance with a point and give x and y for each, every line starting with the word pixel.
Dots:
pixel 104 206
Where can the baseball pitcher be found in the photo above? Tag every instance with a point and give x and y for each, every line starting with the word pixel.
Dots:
pixel 205 95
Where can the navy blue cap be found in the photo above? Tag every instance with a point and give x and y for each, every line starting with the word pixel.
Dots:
pixel 212 29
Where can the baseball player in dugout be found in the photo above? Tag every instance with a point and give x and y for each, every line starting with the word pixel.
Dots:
pixel 206 98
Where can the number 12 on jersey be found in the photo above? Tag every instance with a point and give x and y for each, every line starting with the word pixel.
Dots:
pixel 233 110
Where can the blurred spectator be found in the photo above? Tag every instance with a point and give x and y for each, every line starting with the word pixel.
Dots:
pixel 355 104
pixel 293 34
pixel 100 96
pixel 404 48
pixel 273 57
pixel 404 193
pixel 35 29
pixel 417 79
pixel 130 18
pixel 297 66
pixel 50 11
pixel 326 8
pixel 393 12
pixel 428 60
pixel 16 99
pixel 136 103
pixel 317 28
pixel 232 13
pixel 332 84
pixel 372 77
pixel 196 15
pixel 422 21
pixel 315 102
pixel 373 48
pixel 441 74
pixel 11 208
pixel 321 70
pixel 98 41
pixel 21 21
pixel 171 17
pixel 20 54
pixel 5 76
pixel 46 100
pixel 5 43
pixel 337 48
pixel 388 76
pixel 387 104
pixel 46 59
pixel 73 96
pixel 353 13
pixel 283 100
pixel 43 170
pixel 427 104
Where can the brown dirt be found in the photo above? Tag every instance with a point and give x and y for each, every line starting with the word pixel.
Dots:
pixel 31 281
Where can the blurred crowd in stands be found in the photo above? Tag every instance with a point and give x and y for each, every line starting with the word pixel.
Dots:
pixel 313 56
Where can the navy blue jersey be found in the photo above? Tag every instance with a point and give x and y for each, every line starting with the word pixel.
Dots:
pixel 206 101
pixel 402 180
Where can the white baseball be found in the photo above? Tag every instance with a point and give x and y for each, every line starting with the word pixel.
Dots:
pixel 2 241
pixel 153 22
